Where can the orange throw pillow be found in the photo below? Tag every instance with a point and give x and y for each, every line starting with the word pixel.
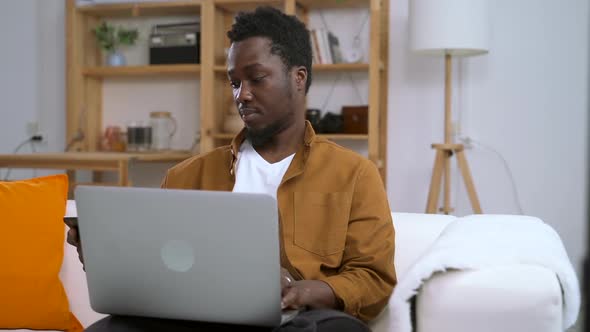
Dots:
pixel 31 254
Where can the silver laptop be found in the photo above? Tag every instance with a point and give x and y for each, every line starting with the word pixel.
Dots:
pixel 182 254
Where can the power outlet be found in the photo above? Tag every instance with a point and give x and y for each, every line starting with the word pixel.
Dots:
pixel 32 128
pixel 43 137
pixel 467 142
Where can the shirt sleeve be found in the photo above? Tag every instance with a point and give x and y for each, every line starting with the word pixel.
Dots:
pixel 367 275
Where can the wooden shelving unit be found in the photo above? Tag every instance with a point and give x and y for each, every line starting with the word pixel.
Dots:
pixel 335 4
pixel 137 71
pixel 162 8
pixel 338 67
pixel 85 72
pixel 94 161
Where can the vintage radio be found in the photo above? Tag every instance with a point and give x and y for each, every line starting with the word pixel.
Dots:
pixel 175 43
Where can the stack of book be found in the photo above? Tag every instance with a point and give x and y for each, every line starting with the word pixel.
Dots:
pixel 325 47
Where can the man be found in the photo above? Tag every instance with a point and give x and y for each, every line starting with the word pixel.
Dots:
pixel 337 241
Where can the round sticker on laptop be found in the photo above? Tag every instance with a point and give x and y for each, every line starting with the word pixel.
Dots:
pixel 178 255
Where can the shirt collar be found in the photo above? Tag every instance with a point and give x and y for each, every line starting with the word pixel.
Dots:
pixel 237 141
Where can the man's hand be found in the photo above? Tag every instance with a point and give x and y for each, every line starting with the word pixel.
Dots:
pixel 74 237
pixel 311 293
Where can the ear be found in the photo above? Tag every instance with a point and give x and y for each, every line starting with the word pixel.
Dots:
pixel 300 78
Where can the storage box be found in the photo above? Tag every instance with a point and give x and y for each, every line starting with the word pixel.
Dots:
pixel 355 119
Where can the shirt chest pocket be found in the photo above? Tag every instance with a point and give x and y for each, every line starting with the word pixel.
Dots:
pixel 321 221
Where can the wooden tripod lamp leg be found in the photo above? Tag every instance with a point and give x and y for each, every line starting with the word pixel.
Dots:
pixel 468 182
pixel 437 172
pixel 446 208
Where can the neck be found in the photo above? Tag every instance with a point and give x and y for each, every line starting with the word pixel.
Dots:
pixel 283 144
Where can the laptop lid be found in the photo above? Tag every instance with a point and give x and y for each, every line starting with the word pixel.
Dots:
pixel 181 254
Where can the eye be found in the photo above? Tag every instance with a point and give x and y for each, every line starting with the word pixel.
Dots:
pixel 258 79
pixel 235 84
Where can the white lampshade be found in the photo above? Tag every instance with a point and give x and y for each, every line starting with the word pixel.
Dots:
pixel 456 27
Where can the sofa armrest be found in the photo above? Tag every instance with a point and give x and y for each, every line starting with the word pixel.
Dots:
pixel 507 298
pixel 414 234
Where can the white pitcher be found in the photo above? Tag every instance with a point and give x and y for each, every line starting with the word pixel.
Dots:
pixel 163 128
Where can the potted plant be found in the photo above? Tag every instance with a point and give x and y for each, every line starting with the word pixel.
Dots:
pixel 110 38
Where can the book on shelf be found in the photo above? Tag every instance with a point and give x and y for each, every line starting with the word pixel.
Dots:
pixel 319 47
pixel 325 47
pixel 314 47
pixel 335 50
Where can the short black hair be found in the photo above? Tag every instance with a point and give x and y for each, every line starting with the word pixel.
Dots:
pixel 289 36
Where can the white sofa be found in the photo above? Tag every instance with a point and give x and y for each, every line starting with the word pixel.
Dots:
pixel 509 298
pixel 513 298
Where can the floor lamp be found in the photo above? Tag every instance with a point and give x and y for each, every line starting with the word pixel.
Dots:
pixel 449 28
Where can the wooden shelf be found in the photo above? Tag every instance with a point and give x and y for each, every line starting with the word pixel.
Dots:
pixel 322 4
pixel 227 136
pixel 337 67
pixel 244 5
pixel 193 7
pixel 153 70
pixel 158 8
pixel 94 161
pixel 220 69
pixel 236 5
pixel 39 160
pixel 165 156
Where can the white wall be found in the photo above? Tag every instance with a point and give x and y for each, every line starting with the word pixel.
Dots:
pixel 32 81
pixel 18 69
pixel 527 100
pixel 18 90
pixel 51 72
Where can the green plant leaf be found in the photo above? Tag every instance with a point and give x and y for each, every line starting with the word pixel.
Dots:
pixel 109 38
pixel 105 36
pixel 127 37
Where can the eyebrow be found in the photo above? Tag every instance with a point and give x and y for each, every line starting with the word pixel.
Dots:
pixel 248 67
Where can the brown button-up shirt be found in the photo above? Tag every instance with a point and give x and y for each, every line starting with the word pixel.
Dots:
pixel 334 216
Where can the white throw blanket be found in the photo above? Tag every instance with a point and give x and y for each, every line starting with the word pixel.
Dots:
pixel 476 242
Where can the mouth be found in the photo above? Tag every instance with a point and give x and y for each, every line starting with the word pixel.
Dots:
pixel 248 114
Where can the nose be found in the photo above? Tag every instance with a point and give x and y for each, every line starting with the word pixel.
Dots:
pixel 243 93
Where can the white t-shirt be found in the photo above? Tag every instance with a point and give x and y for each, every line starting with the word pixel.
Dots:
pixel 256 175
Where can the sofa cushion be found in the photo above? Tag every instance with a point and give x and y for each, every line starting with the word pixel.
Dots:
pixel 31 254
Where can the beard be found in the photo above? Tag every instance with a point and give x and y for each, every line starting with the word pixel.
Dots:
pixel 260 137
